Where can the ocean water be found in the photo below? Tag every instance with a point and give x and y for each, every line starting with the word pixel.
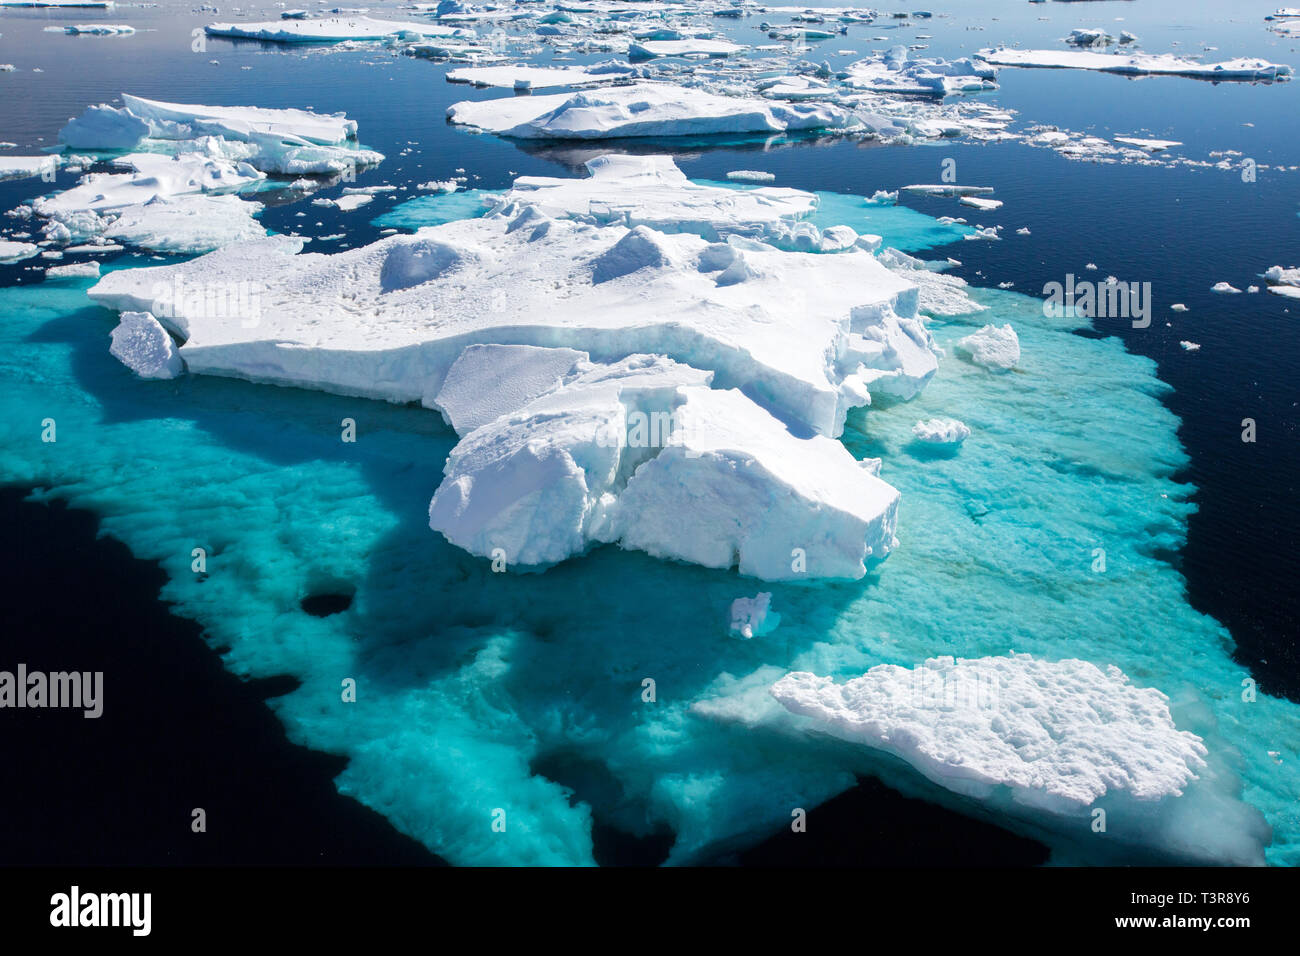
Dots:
pixel 480 693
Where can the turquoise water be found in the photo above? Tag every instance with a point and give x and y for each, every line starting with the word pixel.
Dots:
pixel 467 679
pixel 436 209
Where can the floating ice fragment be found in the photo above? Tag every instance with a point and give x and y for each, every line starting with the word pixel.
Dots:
pixel 941 431
pixel 753 617
pixel 143 345
pixel 996 348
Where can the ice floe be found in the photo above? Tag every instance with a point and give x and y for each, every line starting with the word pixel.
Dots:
pixel 641 109
pixel 332 30
pixel 1284 282
pixel 399 319
pixel 1139 64
pixel 995 347
pixel 144 346
pixel 1060 735
pixel 941 431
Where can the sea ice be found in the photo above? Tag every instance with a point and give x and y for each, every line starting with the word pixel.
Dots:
pixel 996 348
pixel 11 252
pixel 332 30
pixel 941 431
pixel 754 617
pixel 1283 281
pixel 641 109
pixel 618 453
pixel 26 167
pixel 144 346
pixel 1244 68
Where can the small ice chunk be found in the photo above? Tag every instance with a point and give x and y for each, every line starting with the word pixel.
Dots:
pixel 995 348
pixel 143 345
pixel 754 617
pixel 941 431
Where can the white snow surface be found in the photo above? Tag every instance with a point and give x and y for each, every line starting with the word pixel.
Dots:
pixel 1243 68
pixel 641 109
pixel 1061 735
pixel 332 30
pixel 810 334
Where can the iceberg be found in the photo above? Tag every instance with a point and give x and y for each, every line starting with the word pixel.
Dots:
pixel 1139 64
pixel 288 142
pixel 332 30
pixel 413 303
pixel 897 72
pixel 11 252
pixel 1284 282
pixel 693 46
pixel 652 191
pixel 521 77
pixel 167 203
pixel 619 452
pixel 1060 735
pixel 641 109
pixel 26 167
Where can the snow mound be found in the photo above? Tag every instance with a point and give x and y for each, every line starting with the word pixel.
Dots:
pixel 1060 735
pixel 996 348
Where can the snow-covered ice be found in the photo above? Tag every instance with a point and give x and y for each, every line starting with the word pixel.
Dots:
pixel 641 109
pixel 1138 64
pixel 144 346
pixel 941 431
pixel 995 347
pixel 332 30
pixel 754 617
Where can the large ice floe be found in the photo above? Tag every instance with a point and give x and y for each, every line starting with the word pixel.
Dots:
pixel 1059 742
pixel 176 189
pixel 333 30
pixel 693 364
pixel 641 109
pixel 1138 64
